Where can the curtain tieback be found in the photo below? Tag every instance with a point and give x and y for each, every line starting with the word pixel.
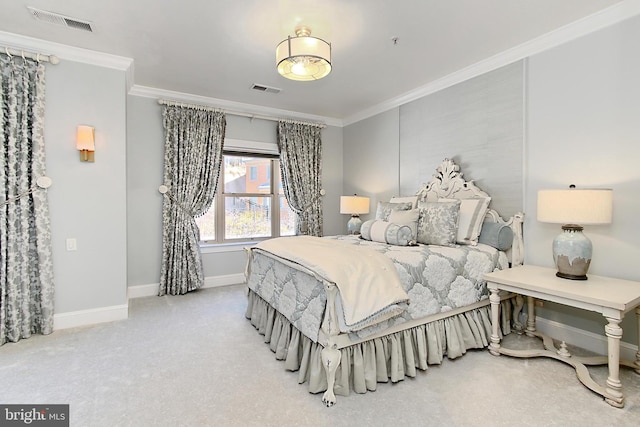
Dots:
pixel 43 182
pixel 164 190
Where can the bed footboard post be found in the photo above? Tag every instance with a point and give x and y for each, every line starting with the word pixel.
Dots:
pixel 330 354
pixel 330 360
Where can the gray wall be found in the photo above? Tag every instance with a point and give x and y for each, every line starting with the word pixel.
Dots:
pixel 581 126
pixel 87 200
pixel 145 163
pixel 584 129
pixel 477 123
pixel 371 160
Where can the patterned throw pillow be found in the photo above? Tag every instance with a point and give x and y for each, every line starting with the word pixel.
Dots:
pixel 438 222
pixel 386 232
pixel 385 208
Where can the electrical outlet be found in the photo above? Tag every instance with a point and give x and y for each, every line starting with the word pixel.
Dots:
pixel 72 245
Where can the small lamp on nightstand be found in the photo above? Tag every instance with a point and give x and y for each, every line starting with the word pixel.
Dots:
pixel 354 206
pixel 572 249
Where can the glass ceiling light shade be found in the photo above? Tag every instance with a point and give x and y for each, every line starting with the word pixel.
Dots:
pixel 303 58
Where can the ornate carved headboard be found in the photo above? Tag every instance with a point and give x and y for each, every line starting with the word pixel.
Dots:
pixel 448 183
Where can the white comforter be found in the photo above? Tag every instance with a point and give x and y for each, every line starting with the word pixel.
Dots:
pixel 369 284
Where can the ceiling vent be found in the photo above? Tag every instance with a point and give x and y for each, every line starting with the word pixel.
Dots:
pixel 263 88
pixel 56 18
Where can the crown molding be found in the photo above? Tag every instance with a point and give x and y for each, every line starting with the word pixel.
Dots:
pixel 612 15
pixel 63 51
pixel 239 107
pixel 70 53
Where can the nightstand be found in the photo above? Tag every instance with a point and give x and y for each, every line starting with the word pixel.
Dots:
pixel 610 297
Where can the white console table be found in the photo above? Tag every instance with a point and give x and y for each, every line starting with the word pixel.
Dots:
pixel 610 297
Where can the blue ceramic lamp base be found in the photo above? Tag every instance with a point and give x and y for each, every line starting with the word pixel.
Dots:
pixel 572 253
pixel 354 224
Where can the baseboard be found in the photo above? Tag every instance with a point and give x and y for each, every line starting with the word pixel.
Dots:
pixel 74 319
pixel 139 291
pixel 226 280
pixel 94 316
pixel 583 339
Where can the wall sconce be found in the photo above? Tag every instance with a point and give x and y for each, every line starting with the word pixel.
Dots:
pixel 85 143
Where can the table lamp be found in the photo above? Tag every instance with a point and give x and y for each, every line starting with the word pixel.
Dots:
pixel 354 206
pixel 572 249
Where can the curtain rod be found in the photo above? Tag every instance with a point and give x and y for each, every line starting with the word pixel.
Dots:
pixel 236 113
pixel 40 57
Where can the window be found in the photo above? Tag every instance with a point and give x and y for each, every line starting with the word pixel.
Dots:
pixel 249 203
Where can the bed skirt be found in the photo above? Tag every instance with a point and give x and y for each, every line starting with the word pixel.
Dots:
pixel 392 357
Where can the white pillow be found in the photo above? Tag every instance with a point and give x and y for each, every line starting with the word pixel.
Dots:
pixel 471 217
pixel 408 218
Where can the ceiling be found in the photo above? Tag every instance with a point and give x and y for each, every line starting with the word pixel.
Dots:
pixel 220 48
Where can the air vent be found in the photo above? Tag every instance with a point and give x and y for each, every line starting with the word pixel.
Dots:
pixel 263 88
pixel 56 18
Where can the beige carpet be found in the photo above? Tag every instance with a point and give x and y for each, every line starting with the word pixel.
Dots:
pixel 195 360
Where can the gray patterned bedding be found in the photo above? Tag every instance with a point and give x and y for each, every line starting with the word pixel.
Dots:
pixel 437 279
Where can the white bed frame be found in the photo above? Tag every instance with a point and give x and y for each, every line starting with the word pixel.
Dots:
pixel 446 183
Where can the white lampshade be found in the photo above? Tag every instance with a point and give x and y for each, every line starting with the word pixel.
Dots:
pixel 354 205
pixel 85 139
pixel 575 206
pixel 85 143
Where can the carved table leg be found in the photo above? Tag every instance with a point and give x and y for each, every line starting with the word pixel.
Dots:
pixel 517 308
pixel 330 360
pixel 531 317
pixel 494 347
pixel 638 353
pixel 613 389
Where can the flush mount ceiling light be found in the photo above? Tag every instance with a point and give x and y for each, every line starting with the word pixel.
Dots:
pixel 303 57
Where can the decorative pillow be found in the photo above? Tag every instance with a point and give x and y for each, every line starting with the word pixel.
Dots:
pixel 438 222
pixel 410 199
pixel 386 232
pixel 500 236
pixel 472 212
pixel 408 218
pixel 385 208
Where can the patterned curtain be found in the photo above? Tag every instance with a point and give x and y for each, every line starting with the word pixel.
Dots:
pixel 26 270
pixel 192 160
pixel 301 165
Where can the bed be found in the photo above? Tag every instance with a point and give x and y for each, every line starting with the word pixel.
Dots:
pixel 349 312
